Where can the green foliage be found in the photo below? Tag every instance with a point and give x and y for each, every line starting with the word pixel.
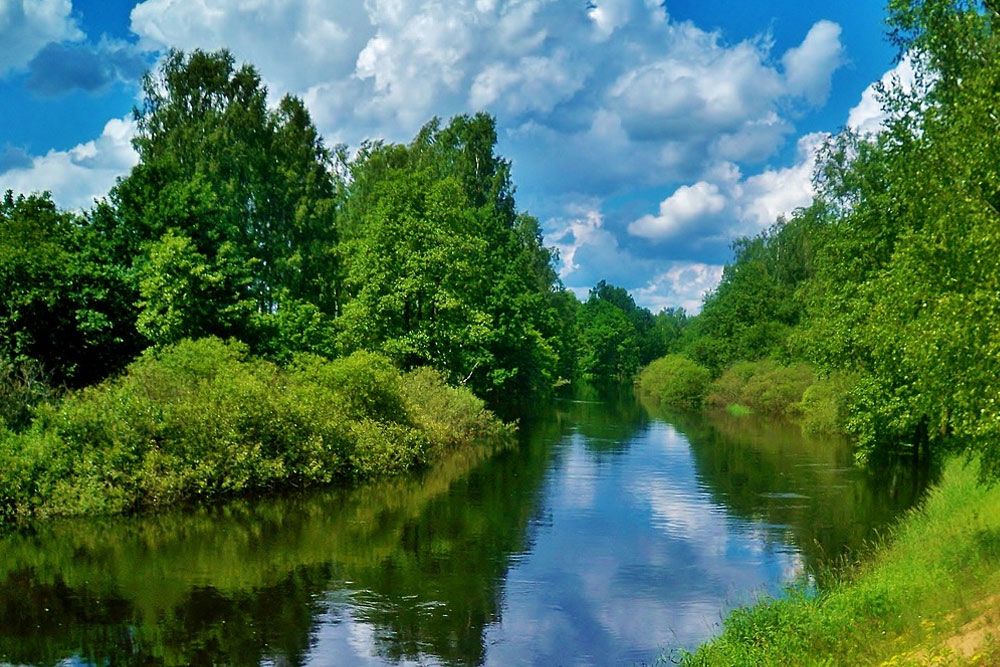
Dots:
pixel 440 268
pixel 762 386
pixel 183 294
pixel 675 381
pixel 824 405
pixel 777 389
pixel 231 208
pixel 737 410
pixel 63 308
pixel 22 387
pixel 202 420
pixel 751 313
pixel 617 337
pixel 890 275
pixel 610 350
pixel 450 416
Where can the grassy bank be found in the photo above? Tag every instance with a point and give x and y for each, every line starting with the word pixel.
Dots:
pixel 203 420
pixel 928 595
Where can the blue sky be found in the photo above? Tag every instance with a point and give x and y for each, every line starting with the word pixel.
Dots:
pixel 644 136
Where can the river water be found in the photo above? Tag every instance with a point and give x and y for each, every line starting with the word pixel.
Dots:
pixel 612 534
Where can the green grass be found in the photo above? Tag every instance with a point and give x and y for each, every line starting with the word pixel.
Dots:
pixel 935 572
pixel 738 410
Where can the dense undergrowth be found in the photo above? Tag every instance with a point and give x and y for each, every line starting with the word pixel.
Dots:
pixel 908 602
pixel 765 387
pixel 203 420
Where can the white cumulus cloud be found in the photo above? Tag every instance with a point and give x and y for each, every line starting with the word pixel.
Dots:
pixel 810 66
pixel 688 205
pixel 683 284
pixel 26 26
pixel 727 204
pixel 868 117
pixel 669 96
pixel 80 175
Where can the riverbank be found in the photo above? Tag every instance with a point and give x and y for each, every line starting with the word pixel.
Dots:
pixel 926 595
pixel 203 420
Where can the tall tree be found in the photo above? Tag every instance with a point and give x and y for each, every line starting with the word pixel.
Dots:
pixel 60 296
pixel 252 190
pixel 440 267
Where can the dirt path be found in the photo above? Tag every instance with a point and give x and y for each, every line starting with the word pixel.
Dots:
pixel 978 642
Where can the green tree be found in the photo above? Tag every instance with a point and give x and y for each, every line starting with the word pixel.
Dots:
pixel 609 346
pixel 251 189
pixel 440 267
pixel 60 300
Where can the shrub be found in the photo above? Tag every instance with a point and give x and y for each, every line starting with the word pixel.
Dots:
pixel 727 389
pixel 202 420
pixel 777 389
pixel 762 386
pixel 675 380
pixel 365 383
pixel 22 387
pixel 823 407
pixel 448 415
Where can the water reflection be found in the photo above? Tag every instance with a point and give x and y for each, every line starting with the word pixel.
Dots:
pixel 610 533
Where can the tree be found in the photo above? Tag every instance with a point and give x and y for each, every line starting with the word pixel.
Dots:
pixel 252 191
pixel 441 269
pixel 60 300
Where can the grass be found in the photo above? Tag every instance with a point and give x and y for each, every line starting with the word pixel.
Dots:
pixel 926 595
pixel 738 410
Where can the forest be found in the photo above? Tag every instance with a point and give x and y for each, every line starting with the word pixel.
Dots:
pixel 874 311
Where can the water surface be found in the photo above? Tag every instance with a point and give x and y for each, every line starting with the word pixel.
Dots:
pixel 612 533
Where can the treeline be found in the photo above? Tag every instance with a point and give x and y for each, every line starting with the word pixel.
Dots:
pixel 888 285
pixel 208 328
pixel 239 222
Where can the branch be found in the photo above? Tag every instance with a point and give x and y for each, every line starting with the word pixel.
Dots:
pixel 469 376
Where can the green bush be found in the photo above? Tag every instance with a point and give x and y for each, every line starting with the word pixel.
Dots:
pixel 202 420
pixel 762 386
pixel 823 408
pixel 675 381
pixel 22 387
pixel 448 415
pixel 778 389
pixel 727 389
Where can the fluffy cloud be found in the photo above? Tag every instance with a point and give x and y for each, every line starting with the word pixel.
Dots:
pixel 688 205
pixel 614 93
pixel 583 241
pixel 295 43
pixel 809 67
pixel 26 26
pixel 83 173
pixel 727 205
pixel 684 284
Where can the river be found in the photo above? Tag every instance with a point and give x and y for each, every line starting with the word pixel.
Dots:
pixel 611 534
